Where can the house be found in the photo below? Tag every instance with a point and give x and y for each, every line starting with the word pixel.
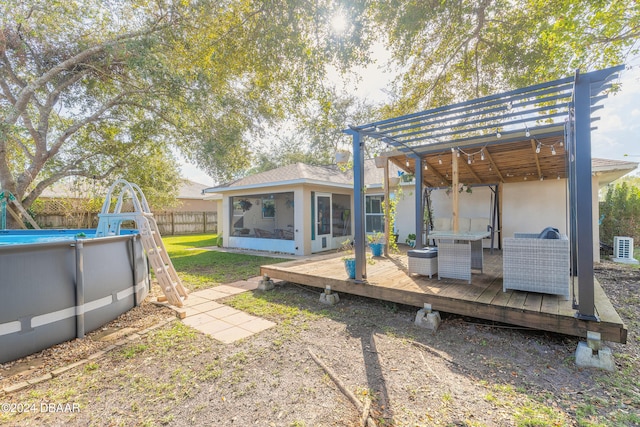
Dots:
pixel 303 209
pixel 71 203
pixel 192 199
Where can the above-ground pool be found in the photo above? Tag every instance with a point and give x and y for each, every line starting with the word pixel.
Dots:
pixel 57 285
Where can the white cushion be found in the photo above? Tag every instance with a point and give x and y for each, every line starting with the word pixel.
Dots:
pixel 442 224
pixel 479 224
pixel 463 225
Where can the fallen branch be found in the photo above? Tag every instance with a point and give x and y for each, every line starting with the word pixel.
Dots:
pixel 365 412
pixel 369 421
pixel 429 367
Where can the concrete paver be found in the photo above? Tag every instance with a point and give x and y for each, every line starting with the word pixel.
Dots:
pixel 232 334
pixel 223 323
pixel 207 306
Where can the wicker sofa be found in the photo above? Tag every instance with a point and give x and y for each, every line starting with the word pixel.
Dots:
pixel 535 264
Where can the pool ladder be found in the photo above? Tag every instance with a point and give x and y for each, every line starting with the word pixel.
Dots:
pixel 109 225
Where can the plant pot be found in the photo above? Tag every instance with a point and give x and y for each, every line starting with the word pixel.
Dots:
pixel 350 267
pixel 376 248
pixel 411 243
pixel 380 161
pixel 394 181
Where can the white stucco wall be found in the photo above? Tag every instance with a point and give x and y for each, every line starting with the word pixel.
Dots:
pixel 530 207
pixel 526 207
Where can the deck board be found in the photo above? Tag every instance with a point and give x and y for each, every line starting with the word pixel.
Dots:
pixel 388 279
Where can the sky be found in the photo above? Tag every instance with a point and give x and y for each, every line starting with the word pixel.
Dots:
pixel 617 136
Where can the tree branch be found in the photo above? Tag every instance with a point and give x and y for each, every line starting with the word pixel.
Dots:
pixel 27 91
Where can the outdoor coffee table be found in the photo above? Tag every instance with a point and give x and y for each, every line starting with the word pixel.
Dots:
pixel 459 253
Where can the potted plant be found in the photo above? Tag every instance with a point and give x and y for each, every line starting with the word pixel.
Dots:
pixel 376 243
pixel 411 240
pixel 349 258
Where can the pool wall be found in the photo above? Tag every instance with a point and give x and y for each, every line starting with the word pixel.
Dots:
pixel 53 292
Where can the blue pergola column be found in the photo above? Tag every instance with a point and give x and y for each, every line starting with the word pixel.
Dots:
pixel 358 205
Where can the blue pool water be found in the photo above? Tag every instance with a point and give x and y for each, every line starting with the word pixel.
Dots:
pixel 22 237
pixel 21 240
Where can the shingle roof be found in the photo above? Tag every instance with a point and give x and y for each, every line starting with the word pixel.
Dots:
pixel 297 172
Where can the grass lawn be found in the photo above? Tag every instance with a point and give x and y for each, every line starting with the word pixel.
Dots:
pixel 200 268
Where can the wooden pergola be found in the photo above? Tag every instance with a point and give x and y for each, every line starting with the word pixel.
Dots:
pixel 534 133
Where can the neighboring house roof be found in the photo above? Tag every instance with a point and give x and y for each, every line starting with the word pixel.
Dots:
pixel 66 189
pixel 191 190
pixel 608 170
pixel 331 175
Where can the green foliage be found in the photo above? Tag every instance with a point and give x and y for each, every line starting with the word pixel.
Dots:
pixel 620 213
pixel 466 49
pixel 113 89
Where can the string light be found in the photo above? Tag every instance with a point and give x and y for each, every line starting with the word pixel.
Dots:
pixel 558 177
pixel 498 134
pixel 553 150
pixel 458 153
pixel 406 163
pixel 469 159
pixel 526 132
pixel 482 154
pixel 439 159
pixel 425 166
pixel 541 178
pixel 538 147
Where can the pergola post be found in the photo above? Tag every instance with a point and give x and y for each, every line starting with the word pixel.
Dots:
pixel 387 206
pixel 583 197
pixel 418 202
pixel 455 223
pixel 358 206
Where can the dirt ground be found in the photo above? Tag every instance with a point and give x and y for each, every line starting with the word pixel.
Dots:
pixel 468 373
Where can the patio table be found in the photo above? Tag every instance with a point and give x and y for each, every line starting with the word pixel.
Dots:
pixel 459 253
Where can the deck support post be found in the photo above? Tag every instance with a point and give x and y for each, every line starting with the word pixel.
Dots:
pixel 266 284
pixel 329 298
pixel 427 318
pixel 593 354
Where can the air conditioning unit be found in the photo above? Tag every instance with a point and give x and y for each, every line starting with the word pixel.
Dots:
pixel 623 250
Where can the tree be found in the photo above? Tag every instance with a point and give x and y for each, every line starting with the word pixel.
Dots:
pixel 314 134
pixel 97 88
pixel 458 50
pixel 620 213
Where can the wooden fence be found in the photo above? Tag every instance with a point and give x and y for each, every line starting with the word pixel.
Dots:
pixel 169 223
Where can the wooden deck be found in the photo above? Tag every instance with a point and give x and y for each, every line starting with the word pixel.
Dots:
pixel 389 280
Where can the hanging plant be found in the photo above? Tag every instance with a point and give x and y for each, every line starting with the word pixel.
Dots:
pixel 245 205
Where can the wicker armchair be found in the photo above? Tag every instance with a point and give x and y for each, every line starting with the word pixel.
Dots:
pixel 536 265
